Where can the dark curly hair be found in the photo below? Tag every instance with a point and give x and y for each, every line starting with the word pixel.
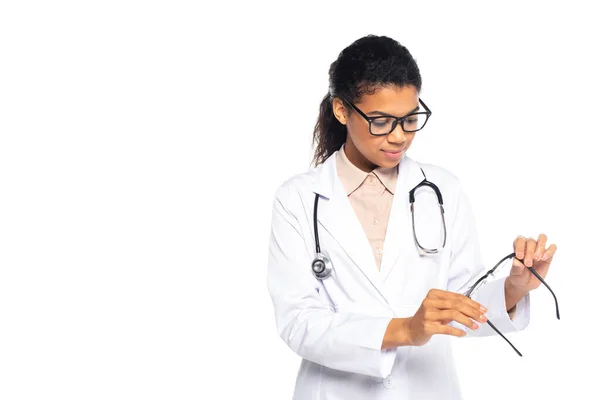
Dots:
pixel 363 67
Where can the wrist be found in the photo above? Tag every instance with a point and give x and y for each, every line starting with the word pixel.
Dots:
pixel 512 289
pixel 512 294
pixel 397 333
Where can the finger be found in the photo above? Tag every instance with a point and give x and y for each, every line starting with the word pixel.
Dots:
pixel 519 246
pixel 541 247
pixel 529 250
pixel 437 329
pixel 549 253
pixel 463 307
pixel 446 295
pixel 454 315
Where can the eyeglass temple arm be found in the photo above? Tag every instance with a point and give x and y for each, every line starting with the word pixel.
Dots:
pixel 534 272
pixel 425 105
pixel 503 337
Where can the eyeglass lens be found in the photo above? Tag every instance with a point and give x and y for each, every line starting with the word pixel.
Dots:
pixel 385 125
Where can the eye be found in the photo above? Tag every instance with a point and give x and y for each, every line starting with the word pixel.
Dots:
pixel 382 122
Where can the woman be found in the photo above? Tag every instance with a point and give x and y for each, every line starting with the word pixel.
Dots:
pixel 367 296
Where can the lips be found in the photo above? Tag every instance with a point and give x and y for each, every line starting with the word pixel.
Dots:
pixel 393 151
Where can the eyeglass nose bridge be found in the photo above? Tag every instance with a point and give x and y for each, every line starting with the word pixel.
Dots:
pixel 399 122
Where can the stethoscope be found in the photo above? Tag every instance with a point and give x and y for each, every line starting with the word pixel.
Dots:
pixel 322 265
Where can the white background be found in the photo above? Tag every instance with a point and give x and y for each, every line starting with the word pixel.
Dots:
pixel 142 142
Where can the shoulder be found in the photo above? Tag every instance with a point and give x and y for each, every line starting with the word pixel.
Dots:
pixel 448 182
pixel 293 188
pixel 438 174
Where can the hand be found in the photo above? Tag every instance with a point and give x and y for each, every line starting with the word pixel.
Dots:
pixel 536 255
pixel 437 310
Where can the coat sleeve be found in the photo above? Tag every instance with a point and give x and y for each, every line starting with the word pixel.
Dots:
pixel 304 318
pixel 466 266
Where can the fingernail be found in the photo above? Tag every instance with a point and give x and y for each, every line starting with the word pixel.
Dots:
pixel 483 318
pixel 475 326
pixel 483 308
pixel 544 257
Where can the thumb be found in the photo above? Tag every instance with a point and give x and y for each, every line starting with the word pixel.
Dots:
pixel 518 268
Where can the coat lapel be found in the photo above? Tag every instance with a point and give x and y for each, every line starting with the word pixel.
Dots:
pixel 399 238
pixel 338 218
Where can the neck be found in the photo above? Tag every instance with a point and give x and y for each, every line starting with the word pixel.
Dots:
pixel 356 158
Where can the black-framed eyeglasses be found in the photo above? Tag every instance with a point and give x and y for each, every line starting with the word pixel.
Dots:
pixel 485 278
pixel 385 124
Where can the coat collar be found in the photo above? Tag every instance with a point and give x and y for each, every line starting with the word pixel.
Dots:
pixel 336 215
pixel 409 173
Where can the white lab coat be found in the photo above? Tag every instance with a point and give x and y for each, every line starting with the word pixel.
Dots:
pixel 340 339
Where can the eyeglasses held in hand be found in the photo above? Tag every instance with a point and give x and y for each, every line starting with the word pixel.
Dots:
pixel 485 278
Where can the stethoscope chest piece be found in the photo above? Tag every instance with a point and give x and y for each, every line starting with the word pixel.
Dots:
pixel 321 266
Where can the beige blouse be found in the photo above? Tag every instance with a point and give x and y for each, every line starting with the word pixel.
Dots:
pixel 370 194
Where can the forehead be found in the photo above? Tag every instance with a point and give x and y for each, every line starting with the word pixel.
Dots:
pixel 390 99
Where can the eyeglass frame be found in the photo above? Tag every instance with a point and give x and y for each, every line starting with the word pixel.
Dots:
pixel 483 280
pixel 427 112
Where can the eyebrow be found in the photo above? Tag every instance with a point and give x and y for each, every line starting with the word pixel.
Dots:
pixel 390 115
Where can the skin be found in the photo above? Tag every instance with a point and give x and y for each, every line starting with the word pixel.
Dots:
pixel 365 150
pixel 439 307
pixel 533 253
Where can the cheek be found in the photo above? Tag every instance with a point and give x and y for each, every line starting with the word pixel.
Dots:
pixel 361 133
pixel 361 138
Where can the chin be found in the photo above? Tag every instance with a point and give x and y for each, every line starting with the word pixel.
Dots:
pixel 386 162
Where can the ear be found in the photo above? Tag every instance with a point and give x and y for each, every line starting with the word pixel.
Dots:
pixel 339 110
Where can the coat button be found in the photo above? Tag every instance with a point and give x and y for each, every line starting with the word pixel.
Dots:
pixel 390 382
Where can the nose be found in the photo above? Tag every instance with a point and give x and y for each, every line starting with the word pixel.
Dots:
pixel 397 135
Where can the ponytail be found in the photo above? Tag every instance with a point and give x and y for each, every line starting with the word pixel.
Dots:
pixel 329 133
